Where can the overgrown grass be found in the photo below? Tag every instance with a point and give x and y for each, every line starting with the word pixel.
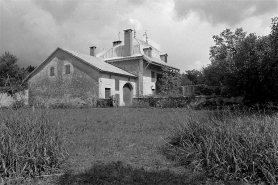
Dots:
pixel 30 144
pixel 228 147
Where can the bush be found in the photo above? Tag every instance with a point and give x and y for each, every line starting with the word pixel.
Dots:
pixel 103 103
pixel 30 144
pixel 229 147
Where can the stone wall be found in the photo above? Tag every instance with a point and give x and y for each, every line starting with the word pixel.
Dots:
pixel 80 87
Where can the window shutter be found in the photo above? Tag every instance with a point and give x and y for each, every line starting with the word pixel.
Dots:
pixel 117 85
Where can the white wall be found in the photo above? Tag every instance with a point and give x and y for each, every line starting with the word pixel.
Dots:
pixel 147 80
pixel 106 82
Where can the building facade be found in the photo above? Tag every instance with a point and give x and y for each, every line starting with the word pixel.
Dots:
pixel 126 70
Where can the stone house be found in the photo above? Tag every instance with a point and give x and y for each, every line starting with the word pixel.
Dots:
pixel 126 70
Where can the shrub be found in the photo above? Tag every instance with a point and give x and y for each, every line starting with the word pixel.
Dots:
pixel 103 103
pixel 229 147
pixel 30 144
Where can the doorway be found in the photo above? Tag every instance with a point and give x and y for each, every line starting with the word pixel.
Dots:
pixel 127 94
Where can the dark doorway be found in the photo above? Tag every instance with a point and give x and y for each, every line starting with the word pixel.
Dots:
pixel 107 93
pixel 127 94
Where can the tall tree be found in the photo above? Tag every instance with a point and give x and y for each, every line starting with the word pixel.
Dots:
pixel 11 75
pixel 245 65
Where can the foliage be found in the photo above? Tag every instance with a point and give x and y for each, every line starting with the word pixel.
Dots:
pixel 229 147
pixel 195 76
pixel 103 103
pixel 203 89
pixel 11 75
pixel 244 65
pixel 169 83
pixel 30 144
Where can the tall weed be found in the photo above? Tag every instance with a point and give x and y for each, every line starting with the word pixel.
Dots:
pixel 30 144
pixel 229 147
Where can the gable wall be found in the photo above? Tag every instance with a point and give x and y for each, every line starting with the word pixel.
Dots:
pixel 79 87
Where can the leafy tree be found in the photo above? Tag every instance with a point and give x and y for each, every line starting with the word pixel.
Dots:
pixel 195 76
pixel 185 80
pixel 30 68
pixel 11 75
pixel 245 65
pixel 222 66
pixel 170 82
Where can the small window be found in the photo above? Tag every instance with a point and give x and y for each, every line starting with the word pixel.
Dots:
pixel 117 84
pixel 128 79
pixel 107 93
pixel 52 71
pixel 110 76
pixel 67 69
pixel 153 76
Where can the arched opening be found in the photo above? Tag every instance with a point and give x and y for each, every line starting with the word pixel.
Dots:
pixel 127 94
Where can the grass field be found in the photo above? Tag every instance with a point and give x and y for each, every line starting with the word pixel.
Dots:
pixel 126 140
pixel 121 146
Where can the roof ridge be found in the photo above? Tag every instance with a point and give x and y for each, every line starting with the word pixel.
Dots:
pixel 99 59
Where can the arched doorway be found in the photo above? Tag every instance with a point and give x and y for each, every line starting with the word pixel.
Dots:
pixel 127 94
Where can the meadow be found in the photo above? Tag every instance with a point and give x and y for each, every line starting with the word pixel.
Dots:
pixel 149 146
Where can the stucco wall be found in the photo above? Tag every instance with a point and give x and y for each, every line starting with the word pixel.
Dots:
pixel 135 67
pixel 106 82
pixel 77 88
pixel 148 85
pixel 127 65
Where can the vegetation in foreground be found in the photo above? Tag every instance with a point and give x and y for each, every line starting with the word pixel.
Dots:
pixel 30 144
pixel 228 146
pixel 129 143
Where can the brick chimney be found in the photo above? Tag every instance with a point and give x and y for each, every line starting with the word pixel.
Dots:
pixel 93 51
pixel 115 43
pixel 127 42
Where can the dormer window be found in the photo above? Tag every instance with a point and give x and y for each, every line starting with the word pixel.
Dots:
pixel 52 71
pixel 148 51
pixel 67 67
pixel 164 57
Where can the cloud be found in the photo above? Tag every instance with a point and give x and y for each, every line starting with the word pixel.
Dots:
pixel 136 24
pixel 32 29
pixel 60 10
pixel 230 12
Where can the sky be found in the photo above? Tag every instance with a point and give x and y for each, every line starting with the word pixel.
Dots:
pixel 32 29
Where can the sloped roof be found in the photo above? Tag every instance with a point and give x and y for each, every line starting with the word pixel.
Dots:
pixel 117 53
pixel 92 61
pixel 98 63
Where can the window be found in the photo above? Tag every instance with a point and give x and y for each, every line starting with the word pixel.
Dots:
pixel 52 71
pixel 153 76
pixel 128 79
pixel 110 76
pixel 107 93
pixel 67 69
pixel 117 85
